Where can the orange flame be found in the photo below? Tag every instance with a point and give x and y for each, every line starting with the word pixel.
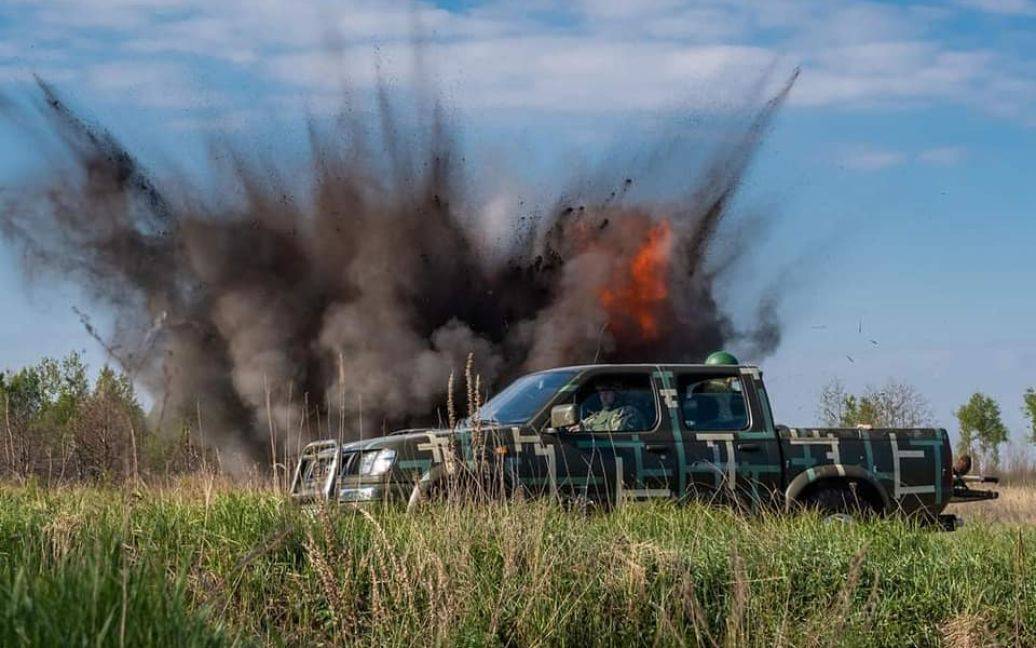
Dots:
pixel 639 288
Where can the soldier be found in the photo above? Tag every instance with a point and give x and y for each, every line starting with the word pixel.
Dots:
pixel 715 404
pixel 614 416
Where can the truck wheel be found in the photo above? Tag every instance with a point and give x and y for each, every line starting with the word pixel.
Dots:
pixel 417 498
pixel 424 494
pixel 583 505
pixel 837 503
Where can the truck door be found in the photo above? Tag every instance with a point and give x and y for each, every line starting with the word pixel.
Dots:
pixel 729 451
pixel 621 450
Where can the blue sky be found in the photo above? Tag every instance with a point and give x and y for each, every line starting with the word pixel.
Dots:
pixel 897 181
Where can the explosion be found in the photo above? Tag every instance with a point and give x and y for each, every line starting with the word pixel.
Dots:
pixel 640 288
pixel 350 298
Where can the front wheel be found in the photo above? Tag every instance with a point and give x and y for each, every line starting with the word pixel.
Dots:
pixel 426 493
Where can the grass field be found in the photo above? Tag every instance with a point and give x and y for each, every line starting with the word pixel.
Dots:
pixel 210 565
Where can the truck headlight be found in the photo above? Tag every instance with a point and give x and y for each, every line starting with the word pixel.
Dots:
pixel 377 462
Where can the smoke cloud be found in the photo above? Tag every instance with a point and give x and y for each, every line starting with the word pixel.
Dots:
pixel 361 289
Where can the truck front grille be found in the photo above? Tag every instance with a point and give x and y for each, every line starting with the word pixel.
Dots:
pixel 350 463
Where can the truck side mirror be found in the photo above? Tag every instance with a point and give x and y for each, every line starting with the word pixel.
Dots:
pixel 563 417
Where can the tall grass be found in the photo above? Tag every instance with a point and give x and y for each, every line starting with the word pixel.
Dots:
pixel 214 566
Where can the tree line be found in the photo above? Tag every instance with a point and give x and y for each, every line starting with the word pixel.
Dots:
pixel 980 427
pixel 59 425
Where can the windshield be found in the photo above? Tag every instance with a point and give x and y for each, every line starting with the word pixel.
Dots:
pixel 524 397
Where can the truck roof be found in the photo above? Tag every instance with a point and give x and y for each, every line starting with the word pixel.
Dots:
pixel 650 365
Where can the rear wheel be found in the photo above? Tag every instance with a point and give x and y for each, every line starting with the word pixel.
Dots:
pixel 838 503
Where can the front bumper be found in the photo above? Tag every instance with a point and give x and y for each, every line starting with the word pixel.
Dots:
pixel 354 490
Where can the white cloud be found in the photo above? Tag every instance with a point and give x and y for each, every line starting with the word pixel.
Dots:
pixel 103 14
pixel 590 55
pixel 871 159
pixel 225 122
pixel 1005 7
pixel 8 50
pixel 942 155
pixel 20 74
pixel 565 73
pixel 868 158
pixel 894 72
pixel 150 84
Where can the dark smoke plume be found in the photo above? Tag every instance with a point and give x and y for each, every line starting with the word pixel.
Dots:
pixel 363 294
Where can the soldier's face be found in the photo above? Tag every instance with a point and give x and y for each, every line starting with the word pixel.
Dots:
pixel 607 397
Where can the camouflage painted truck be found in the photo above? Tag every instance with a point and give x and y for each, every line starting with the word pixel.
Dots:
pixel 605 435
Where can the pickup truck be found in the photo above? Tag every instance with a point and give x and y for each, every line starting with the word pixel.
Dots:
pixel 606 435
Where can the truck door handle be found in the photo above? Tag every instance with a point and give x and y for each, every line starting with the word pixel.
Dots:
pixel 748 447
pixel 657 449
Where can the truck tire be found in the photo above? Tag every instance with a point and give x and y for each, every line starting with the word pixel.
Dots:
pixel 417 498
pixel 457 490
pixel 427 493
pixel 838 502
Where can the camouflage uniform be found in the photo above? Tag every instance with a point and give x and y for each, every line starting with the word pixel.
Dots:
pixel 617 419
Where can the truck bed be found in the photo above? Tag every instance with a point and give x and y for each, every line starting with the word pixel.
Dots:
pixel 907 469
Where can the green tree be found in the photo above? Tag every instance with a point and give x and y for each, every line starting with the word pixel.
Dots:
pixel 114 390
pixel 894 404
pixel 109 429
pixel 39 405
pixel 1029 410
pixel 979 421
pixel 24 396
pixel 49 391
pixel 117 387
pixel 64 386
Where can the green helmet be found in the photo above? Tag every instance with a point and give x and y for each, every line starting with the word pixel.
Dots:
pixel 721 358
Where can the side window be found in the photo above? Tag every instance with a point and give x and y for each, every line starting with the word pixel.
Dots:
pixel 714 404
pixel 617 403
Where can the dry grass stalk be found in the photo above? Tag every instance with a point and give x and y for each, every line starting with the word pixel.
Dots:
pixel 10 433
pixel 333 595
pixel 285 464
pixel 451 450
pixel 735 634
pixel 62 531
pixel 451 412
pixel 469 383
pixel 965 630
pixel 201 434
pixel 341 400
pixel 1018 569
pixel 843 604
pixel 133 448
pixel 272 432
pixel 693 610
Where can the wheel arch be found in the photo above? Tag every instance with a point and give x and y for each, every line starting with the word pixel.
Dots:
pixel 431 478
pixel 809 481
